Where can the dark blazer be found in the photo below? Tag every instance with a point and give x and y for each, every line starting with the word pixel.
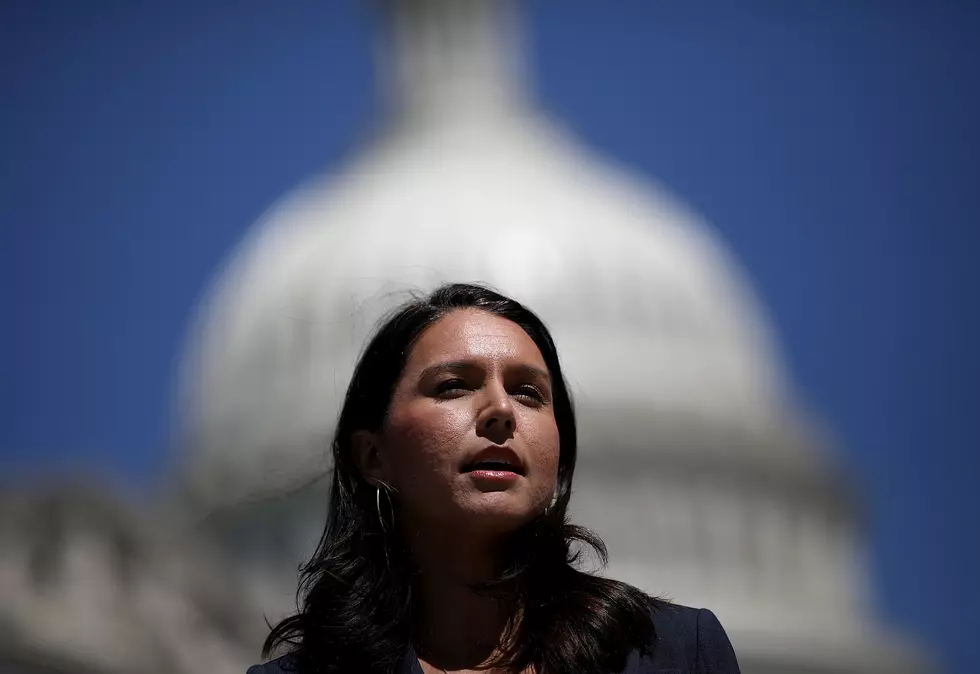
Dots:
pixel 689 641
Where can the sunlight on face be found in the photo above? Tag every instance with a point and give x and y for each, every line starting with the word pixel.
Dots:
pixel 471 438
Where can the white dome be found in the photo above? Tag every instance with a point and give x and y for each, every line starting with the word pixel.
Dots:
pixel 699 478
pixel 648 311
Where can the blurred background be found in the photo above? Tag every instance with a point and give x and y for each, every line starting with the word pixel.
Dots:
pixel 831 146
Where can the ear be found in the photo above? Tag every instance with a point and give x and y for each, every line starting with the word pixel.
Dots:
pixel 367 456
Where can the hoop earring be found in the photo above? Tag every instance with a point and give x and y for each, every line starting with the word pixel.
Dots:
pixel 551 503
pixel 391 508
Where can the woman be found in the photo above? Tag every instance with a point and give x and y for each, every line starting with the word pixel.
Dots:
pixel 446 547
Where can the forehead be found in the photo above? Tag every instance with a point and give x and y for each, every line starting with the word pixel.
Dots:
pixel 472 334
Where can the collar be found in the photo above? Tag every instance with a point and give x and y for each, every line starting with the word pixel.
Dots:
pixel 410 663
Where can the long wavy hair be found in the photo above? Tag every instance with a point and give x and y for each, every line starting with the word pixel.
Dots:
pixel 358 608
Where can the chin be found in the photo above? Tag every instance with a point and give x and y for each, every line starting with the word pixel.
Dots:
pixel 500 514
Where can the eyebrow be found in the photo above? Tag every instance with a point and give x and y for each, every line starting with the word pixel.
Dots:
pixel 457 365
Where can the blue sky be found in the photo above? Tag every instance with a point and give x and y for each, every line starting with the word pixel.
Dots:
pixel 833 145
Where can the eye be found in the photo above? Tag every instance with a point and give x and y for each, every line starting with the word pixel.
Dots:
pixel 530 393
pixel 451 387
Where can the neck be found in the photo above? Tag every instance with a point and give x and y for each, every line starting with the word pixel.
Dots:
pixel 458 628
pixel 451 60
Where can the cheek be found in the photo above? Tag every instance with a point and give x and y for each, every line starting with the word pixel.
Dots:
pixel 425 439
pixel 543 443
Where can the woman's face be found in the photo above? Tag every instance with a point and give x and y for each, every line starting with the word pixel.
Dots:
pixel 471 439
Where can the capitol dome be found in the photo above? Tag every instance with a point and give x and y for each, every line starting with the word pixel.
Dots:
pixel 689 430
pixel 649 313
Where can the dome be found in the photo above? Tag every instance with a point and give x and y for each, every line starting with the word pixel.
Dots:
pixel 649 312
pixel 466 181
pixel 696 466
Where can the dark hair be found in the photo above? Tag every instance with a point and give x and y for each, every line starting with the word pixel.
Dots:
pixel 356 591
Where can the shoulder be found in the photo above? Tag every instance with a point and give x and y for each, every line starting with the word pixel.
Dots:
pixel 282 665
pixel 691 640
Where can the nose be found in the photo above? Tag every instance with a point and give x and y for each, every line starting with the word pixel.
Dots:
pixel 496 422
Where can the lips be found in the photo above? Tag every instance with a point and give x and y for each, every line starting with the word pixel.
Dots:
pixel 495 458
